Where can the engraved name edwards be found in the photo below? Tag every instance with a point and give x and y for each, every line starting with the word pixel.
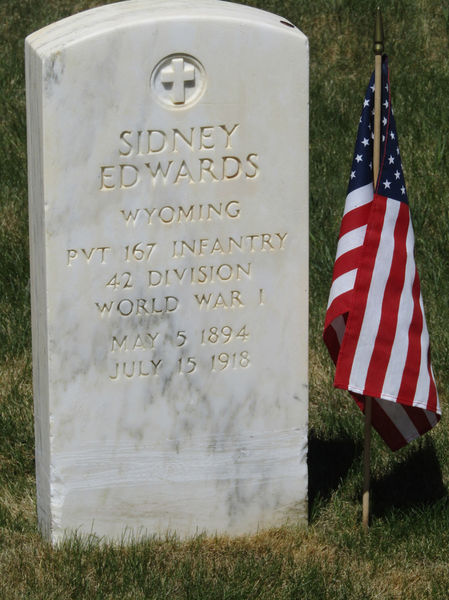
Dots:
pixel 165 167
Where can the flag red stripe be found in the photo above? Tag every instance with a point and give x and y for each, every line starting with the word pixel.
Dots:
pixel 411 369
pixel 347 261
pixel 362 285
pixel 355 218
pixel 390 308
pixel 332 343
pixel 339 306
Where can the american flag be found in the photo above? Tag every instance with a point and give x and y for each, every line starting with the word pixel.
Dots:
pixel 375 328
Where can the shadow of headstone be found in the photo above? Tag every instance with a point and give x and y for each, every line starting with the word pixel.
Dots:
pixel 329 462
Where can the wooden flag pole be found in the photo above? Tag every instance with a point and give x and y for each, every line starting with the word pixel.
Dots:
pixel 366 464
pixel 378 50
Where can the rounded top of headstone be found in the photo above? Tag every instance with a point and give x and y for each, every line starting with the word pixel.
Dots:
pixel 100 20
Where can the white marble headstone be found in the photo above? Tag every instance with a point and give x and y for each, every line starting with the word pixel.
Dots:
pixel 168 188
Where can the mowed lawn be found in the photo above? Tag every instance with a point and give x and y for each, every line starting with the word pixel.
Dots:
pixel 406 553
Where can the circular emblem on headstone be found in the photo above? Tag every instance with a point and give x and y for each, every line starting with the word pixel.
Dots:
pixel 178 81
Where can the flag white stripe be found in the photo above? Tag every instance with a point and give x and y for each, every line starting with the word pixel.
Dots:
pixel 398 356
pixel 373 311
pixel 342 284
pixel 422 386
pixel 349 241
pixel 359 197
pixel 431 415
pixel 400 418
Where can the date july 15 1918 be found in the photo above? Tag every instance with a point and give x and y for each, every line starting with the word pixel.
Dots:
pixel 185 365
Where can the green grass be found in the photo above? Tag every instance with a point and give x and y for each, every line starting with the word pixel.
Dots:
pixel 405 554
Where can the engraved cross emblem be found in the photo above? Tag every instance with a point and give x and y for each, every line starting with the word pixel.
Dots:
pixel 178 73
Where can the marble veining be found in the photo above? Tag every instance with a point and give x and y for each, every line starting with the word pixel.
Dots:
pixel 168 193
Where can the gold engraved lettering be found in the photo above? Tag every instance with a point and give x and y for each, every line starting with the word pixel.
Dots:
pixel 104 176
pixel 167 214
pixel 129 145
pixel 187 214
pixel 142 143
pixel 130 216
pixel 281 239
pixel 140 306
pixel 179 214
pixel 198 170
pixel 250 159
pixel 152 338
pixel 155 171
pixel 140 251
pixel 141 368
pixel 251 239
pixel 186 366
pixel 206 166
pixel 222 361
pixel 224 335
pixel 104 308
pixel 266 239
pixel 184 138
pixel 228 134
pixel 183 171
pixel 88 253
pixel 72 254
pixel 256 242
pixel 120 280
pixel 139 145
pixel 199 275
pixel 127 343
pixel 231 167
pixel 203 243
pixel 75 253
pixel 236 243
pixel 217 248
pixel 212 301
pixel 125 307
pixel 103 250
pixel 205 135
pixel 138 344
pixel 191 169
pixel 129 176
pixel 211 209
pixel 155 141
pixel 119 345
pixel 184 245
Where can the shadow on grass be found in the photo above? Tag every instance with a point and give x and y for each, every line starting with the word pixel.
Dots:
pixel 329 462
pixel 416 481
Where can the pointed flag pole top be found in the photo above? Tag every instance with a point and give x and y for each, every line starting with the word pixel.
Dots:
pixel 378 45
